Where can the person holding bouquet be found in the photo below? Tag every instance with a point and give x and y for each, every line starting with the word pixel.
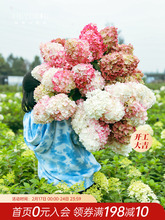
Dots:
pixel 61 157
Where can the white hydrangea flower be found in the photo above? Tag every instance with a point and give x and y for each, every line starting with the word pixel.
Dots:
pixel 1 117
pixel 147 128
pixel 17 95
pixel 142 192
pixel 3 96
pixel 156 91
pixel 162 88
pixel 120 90
pixel 92 133
pixel 92 144
pixel 119 148
pixel 47 78
pixel 125 91
pixel 143 94
pixel 99 104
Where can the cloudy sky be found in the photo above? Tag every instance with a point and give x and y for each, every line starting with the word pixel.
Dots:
pixel 24 24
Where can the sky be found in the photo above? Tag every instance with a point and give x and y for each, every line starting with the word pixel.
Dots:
pixel 24 24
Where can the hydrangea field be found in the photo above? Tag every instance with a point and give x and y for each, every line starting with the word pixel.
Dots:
pixel 140 177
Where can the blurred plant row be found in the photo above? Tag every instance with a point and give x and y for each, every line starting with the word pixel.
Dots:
pixel 137 178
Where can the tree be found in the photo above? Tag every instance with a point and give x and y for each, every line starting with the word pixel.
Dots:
pixel 10 60
pixel 4 66
pixel 19 67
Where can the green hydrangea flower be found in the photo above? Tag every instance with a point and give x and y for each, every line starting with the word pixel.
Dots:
pixel 114 184
pixel 155 145
pixel 125 162
pixel 163 134
pixel 158 124
pixel 94 191
pixel 100 179
pixel 133 172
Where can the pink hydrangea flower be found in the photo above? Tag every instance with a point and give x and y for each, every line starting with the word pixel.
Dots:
pixel 95 40
pixel 112 66
pixel 135 113
pixel 137 75
pixel 60 107
pixel 63 81
pixel 102 130
pixel 125 48
pixel 83 75
pixel 97 82
pixel 130 63
pixel 121 131
pixel 53 53
pixel 110 37
pixel 77 51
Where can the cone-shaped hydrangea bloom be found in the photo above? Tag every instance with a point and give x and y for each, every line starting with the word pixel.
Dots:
pixel 77 51
pixel 40 91
pixel 146 128
pixel 143 94
pixel 60 107
pixel 95 40
pixel 137 91
pixel 63 81
pixel 135 113
pixel 99 105
pixel 112 66
pixel 83 75
pixel 141 192
pixel 47 78
pixel 130 63
pixel 128 49
pixel 97 82
pixel 92 133
pixel 41 116
pixel 122 131
pixel 39 71
pixel 53 53
pixel 110 37
pixel 58 80
pixel 119 148
pixel 121 91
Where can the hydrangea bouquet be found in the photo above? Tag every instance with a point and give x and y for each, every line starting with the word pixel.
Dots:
pixel 94 81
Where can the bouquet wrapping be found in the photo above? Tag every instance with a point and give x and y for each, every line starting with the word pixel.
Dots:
pixel 94 81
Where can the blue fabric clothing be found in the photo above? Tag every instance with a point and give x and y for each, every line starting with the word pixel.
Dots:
pixel 61 157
